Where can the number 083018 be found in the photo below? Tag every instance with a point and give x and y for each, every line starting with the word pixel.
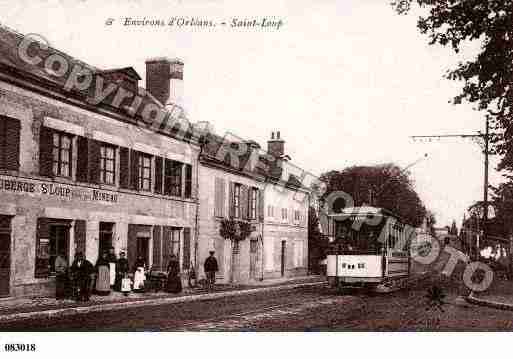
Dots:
pixel 11 347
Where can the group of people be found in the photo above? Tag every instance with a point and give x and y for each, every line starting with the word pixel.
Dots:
pixel 111 273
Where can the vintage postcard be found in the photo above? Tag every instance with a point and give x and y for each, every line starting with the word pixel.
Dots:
pixel 223 166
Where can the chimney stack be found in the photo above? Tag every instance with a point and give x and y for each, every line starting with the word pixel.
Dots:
pixel 164 80
pixel 276 147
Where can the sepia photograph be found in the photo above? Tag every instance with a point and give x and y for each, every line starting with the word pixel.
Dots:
pixel 285 167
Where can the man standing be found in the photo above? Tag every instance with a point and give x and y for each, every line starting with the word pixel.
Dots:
pixel 211 268
pixel 82 270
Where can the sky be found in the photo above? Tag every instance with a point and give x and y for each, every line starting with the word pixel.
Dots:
pixel 346 82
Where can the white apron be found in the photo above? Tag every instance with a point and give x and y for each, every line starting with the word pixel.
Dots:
pixel 139 278
pixel 112 267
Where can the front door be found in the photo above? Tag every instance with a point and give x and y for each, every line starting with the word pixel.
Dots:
pixel 105 237
pixel 283 251
pixel 143 249
pixel 253 259
pixel 5 255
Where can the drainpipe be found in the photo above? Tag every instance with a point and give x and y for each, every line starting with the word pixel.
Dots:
pixel 196 220
pixel 262 236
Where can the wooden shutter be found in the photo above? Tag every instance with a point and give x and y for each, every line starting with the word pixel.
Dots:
pixel 219 194
pixel 232 200
pixel 168 170
pixel 94 161
pixel 166 244
pixel 82 159
pixel 11 148
pixel 159 164
pixel 132 245
pixel 124 168
pixel 45 152
pixel 244 201
pixel 134 170
pixel 42 265
pixel 186 248
pixel 260 205
pixel 188 181
pixel 157 248
pixel 80 237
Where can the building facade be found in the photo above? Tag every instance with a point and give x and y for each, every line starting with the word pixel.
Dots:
pixel 79 176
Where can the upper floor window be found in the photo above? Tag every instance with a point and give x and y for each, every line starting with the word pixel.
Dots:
pixel 9 143
pixel 107 164
pixel 144 172
pixel 62 154
pixel 270 211
pixel 173 178
pixel 253 194
pixel 284 213
pixel 236 200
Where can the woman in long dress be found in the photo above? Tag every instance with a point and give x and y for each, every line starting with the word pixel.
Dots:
pixel 122 269
pixel 112 266
pixel 103 275
pixel 174 283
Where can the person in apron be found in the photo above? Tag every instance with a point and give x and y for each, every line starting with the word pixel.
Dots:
pixel 103 275
pixel 112 266
pixel 139 275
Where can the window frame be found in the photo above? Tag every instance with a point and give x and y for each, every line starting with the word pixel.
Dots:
pixel 141 167
pixel 237 188
pixel 60 135
pixel 103 162
pixel 252 203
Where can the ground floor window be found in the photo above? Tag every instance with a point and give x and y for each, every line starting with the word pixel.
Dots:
pixel 52 241
pixel 106 234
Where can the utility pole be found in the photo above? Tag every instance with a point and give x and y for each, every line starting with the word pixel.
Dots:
pixel 486 138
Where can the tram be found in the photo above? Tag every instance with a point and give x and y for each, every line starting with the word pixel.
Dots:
pixel 368 249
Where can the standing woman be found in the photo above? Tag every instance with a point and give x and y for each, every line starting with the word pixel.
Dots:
pixel 112 266
pixel 139 275
pixel 174 283
pixel 103 275
pixel 122 269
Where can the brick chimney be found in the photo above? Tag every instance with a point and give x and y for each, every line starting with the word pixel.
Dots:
pixel 276 146
pixel 164 80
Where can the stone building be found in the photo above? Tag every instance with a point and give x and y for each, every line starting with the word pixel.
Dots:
pixel 79 173
pixel 238 180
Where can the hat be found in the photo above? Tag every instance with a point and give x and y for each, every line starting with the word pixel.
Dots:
pixel 211 252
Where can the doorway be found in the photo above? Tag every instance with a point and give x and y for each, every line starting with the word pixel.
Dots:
pixel 143 249
pixel 5 255
pixel 283 252
pixel 106 234
pixel 253 259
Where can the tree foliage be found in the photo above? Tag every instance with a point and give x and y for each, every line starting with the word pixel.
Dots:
pixel 385 186
pixel 234 230
pixel 488 78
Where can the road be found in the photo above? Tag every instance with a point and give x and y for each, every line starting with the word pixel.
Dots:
pixel 301 309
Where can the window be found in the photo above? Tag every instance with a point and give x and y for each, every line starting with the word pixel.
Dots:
pixel 253 194
pixel 173 178
pixel 52 241
pixel 107 164
pixel 236 200
pixel 284 213
pixel 62 154
pixel 297 216
pixel 270 211
pixel 9 143
pixel 144 172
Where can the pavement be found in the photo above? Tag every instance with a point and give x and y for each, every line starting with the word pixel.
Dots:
pixel 16 309
pixel 499 295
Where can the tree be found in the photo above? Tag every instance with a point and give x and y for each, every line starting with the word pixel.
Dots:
pixel 385 186
pixel 317 242
pixel 487 79
pixel 234 231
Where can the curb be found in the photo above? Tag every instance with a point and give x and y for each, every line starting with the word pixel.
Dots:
pixel 488 303
pixel 58 313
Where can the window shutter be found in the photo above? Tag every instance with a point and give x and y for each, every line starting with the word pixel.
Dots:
pixel 94 161
pixel 80 237
pixel 168 170
pixel 45 152
pixel 188 181
pixel 11 148
pixel 132 245
pixel 244 201
pixel 134 170
pixel 186 248
pixel 232 200
pixel 157 247
pixel 166 244
pixel 219 197
pixel 82 159
pixel 260 205
pixel 159 163
pixel 42 265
